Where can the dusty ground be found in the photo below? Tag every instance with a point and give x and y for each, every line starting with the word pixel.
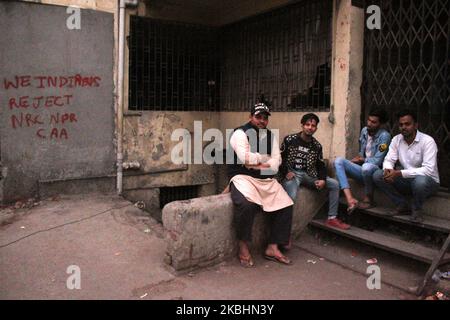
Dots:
pixel 120 254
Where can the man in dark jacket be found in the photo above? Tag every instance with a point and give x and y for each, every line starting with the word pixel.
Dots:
pixel 302 165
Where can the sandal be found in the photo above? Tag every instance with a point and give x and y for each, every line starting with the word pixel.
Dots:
pixel 246 261
pixel 353 207
pixel 280 259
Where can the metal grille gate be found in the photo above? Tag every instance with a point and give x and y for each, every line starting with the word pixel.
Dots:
pixel 284 54
pixel 406 63
pixel 173 66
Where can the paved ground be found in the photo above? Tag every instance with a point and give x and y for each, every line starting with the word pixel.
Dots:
pixel 120 254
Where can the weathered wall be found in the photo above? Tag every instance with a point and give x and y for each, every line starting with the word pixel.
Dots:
pixel 147 140
pixel 346 79
pixel 62 130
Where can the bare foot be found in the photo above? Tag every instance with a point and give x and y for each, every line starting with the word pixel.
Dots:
pixel 352 205
pixel 245 258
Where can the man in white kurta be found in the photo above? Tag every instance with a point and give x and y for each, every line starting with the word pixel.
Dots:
pixel 253 186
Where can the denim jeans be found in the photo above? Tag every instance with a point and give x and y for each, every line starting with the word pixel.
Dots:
pixel 362 174
pixel 420 187
pixel 302 178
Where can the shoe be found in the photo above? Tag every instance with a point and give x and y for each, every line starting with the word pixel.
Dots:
pixel 336 223
pixel 417 216
pixel 400 211
pixel 280 259
pixel 246 261
pixel 364 205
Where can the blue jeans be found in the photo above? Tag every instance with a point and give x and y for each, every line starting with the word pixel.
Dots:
pixel 362 174
pixel 420 187
pixel 302 178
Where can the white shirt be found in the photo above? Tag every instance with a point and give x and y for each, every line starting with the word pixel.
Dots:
pixel 239 143
pixel 369 146
pixel 417 159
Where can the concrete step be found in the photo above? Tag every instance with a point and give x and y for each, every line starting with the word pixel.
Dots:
pixel 430 222
pixel 437 206
pixel 412 250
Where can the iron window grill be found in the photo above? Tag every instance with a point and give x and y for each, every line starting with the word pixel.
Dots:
pixel 284 54
pixel 169 194
pixel 406 63
pixel 172 66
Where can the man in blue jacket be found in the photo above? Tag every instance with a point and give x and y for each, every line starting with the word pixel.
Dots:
pixel 374 144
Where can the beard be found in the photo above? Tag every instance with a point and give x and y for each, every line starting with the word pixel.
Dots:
pixel 371 131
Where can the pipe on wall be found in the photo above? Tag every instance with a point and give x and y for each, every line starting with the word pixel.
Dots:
pixel 120 96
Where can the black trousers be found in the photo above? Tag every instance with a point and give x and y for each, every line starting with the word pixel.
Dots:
pixel 244 214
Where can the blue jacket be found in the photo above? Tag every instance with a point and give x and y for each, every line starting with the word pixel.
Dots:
pixel 380 146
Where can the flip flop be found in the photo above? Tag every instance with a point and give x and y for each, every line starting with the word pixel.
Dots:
pixel 246 261
pixel 280 259
pixel 353 207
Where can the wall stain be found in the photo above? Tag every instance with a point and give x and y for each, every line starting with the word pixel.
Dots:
pixel 159 152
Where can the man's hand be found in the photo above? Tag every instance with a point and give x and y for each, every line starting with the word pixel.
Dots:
pixel 260 166
pixel 358 159
pixel 320 184
pixel 290 175
pixel 390 174
pixel 265 158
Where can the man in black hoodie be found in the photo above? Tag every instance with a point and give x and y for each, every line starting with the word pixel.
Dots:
pixel 302 165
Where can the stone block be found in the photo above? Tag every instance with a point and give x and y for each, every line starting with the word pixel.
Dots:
pixel 200 231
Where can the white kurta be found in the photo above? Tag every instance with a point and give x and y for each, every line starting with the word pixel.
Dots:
pixel 267 193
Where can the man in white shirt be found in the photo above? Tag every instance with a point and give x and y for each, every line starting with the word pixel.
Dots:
pixel 253 187
pixel 418 175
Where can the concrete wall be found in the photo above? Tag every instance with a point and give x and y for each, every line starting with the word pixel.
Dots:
pixel 208 12
pixel 347 78
pixel 54 138
pixel 147 140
